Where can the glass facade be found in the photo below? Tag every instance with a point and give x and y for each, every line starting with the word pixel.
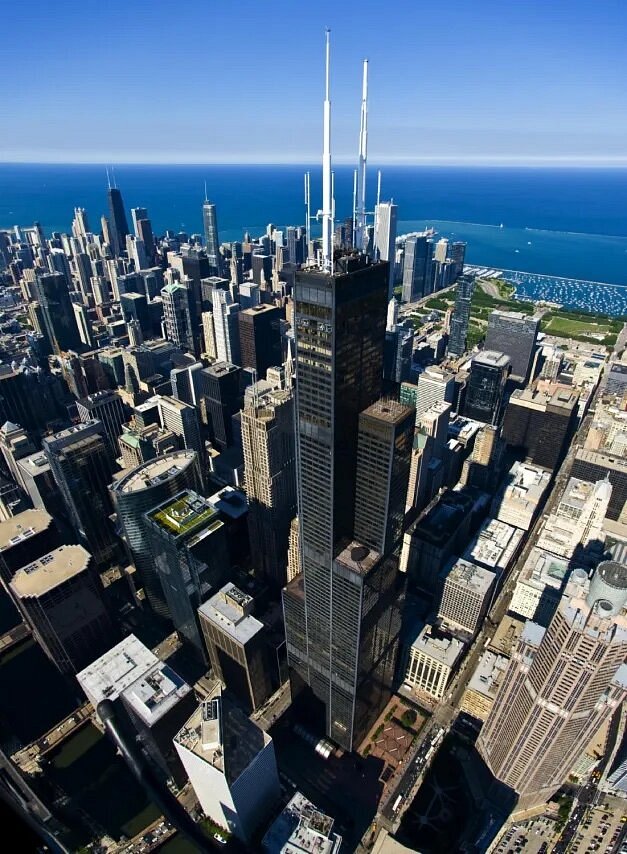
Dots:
pixel 340 332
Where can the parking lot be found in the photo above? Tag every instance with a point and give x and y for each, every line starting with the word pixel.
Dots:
pixel 529 837
pixel 599 831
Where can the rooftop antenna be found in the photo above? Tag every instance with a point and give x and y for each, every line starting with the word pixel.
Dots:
pixel 206 199
pixel 360 210
pixel 355 209
pixel 114 181
pixel 327 200
pixel 108 178
pixel 308 208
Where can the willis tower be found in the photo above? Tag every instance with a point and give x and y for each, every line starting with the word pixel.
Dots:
pixel 341 612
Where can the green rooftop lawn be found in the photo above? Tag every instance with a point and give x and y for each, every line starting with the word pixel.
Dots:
pixel 165 517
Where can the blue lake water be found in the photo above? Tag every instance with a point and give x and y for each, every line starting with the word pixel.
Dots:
pixel 570 223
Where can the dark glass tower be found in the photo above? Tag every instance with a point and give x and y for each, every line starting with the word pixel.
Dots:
pixel 57 312
pixel 212 243
pixel 461 315
pixel 117 220
pixel 484 395
pixel 339 323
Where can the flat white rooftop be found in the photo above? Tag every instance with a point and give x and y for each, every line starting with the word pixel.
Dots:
pixel 113 672
pixel 155 693
pixel 438 645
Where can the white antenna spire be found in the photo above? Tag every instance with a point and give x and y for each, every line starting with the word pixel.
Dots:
pixel 355 227
pixel 360 212
pixel 108 178
pixel 206 199
pixel 327 201
pixel 308 208
pixel 379 187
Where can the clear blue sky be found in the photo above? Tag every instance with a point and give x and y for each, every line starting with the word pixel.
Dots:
pixel 241 81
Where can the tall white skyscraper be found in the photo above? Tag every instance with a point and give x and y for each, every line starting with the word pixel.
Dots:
pixel 225 327
pixel 385 236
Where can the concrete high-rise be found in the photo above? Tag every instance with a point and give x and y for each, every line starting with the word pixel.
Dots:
pixel 385 237
pixel 177 316
pixel 270 481
pixel 434 385
pixel 226 327
pixel 460 319
pixel 59 598
pixel 489 371
pixel 561 685
pixel 82 467
pixel 339 322
pixel 140 490
pixel 515 334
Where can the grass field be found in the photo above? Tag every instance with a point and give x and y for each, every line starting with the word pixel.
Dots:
pixel 567 326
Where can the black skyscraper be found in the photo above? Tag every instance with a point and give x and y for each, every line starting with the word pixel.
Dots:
pixel 57 312
pixel 461 315
pixel 484 394
pixel 515 334
pixel 219 390
pixel 117 220
pixel 260 338
pixel 339 322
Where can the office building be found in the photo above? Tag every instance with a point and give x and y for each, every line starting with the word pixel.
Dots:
pixel 561 685
pixel 385 218
pixel 516 335
pixel 494 546
pixel 432 659
pixel 157 704
pixel 57 314
pixel 489 371
pixel 541 424
pixel 417 267
pixel 294 564
pixel 226 327
pixel 397 362
pixel 107 676
pixel 188 544
pixel 182 420
pixel 482 469
pixel 82 467
pixel 15 444
pixel 442 532
pixel 522 494
pixel 178 316
pixel 384 444
pixel 24 538
pixel 212 242
pixel 59 598
pixel 460 318
pixel 594 466
pixel 36 479
pixel 339 323
pixel 270 480
pixel 301 828
pixel 236 646
pixel 260 338
pixel 435 385
pixel 575 527
pixel 118 225
pixel 539 586
pixel 220 400
pixel 466 593
pixel 231 765
pixel 106 407
pixel 484 684
pixel 138 491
